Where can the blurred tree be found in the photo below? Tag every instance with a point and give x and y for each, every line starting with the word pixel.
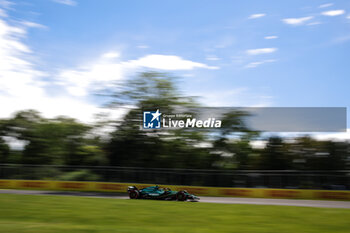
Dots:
pixel 130 145
pixel 275 156
pixel 234 139
pixel 65 141
pixel 4 147
pixel 322 155
pixel 59 141
pixel 4 151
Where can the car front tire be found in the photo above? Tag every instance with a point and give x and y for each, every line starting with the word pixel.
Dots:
pixel 181 196
pixel 134 194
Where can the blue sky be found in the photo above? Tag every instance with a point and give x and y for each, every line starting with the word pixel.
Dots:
pixel 232 53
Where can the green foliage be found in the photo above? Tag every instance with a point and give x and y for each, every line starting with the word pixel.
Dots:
pixel 274 157
pixel 80 175
pixel 132 146
pixel 4 151
pixel 66 141
pixel 59 141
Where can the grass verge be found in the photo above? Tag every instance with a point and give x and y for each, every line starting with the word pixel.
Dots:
pixel 51 214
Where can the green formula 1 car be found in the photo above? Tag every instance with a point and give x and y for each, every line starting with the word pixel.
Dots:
pixel 157 193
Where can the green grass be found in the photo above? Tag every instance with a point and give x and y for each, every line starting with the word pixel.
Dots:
pixel 63 214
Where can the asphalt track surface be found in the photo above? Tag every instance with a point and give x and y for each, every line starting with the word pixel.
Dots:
pixel 222 200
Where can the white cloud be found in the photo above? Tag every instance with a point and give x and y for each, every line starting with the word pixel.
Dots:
pixel 143 46
pixel 81 81
pixel 314 23
pixel 326 5
pixel 32 24
pixel 212 58
pixel 17 75
pixel 260 51
pixel 49 106
pixel 6 4
pixel 111 55
pixel 66 2
pixel 258 63
pixel 333 13
pixel 348 17
pixel 270 37
pixel 167 62
pixel 255 16
pixel 333 136
pixel 21 84
pixel 297 21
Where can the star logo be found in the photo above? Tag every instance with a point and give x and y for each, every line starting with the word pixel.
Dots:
pixel 156 115
pixel 151 120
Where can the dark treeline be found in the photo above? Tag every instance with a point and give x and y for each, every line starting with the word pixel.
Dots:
pixel 66 141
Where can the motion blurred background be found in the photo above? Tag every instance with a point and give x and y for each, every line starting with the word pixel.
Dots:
pixel 76 75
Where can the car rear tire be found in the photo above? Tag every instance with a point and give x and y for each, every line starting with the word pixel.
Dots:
pixel 134 194
pixel 181 196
